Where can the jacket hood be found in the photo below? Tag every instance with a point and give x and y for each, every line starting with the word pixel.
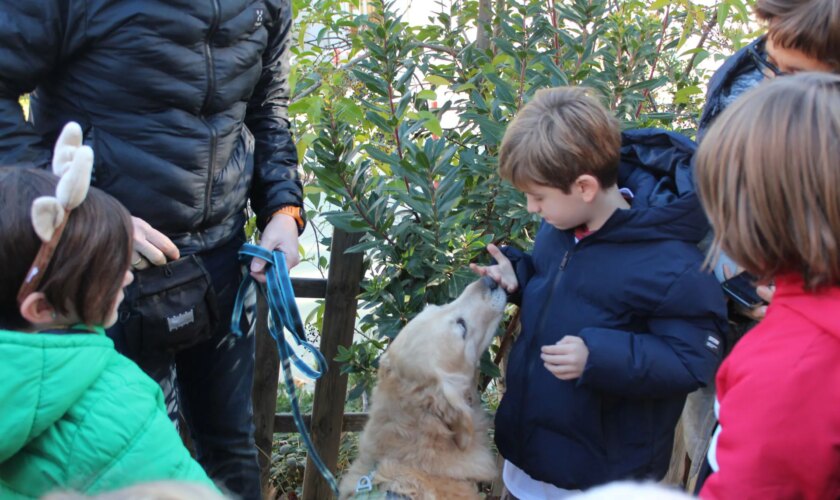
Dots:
pixel 43 376
pixel 656 165
pixel 736 76
pixel 819 307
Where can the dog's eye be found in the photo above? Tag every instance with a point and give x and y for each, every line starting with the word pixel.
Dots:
pixel 463 325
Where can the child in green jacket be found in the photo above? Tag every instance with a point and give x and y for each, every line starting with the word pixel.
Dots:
pixel 76 415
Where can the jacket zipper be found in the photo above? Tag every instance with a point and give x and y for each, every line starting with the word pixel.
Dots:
pixel 541 323
pixel 211 85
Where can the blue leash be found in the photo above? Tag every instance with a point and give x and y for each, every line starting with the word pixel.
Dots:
pixel 283 314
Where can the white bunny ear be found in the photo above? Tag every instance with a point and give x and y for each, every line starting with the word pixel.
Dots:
pixel 65 147
pixel 47 215
pixel 74 184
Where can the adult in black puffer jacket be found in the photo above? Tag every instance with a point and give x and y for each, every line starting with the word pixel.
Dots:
pixel 184 103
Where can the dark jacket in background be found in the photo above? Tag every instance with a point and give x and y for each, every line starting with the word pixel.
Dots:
pixel 736 76
pixel 183 102
pixel 650 317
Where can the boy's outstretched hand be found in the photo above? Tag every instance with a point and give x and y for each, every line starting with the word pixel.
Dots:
pixel 566 359
pixel 501 272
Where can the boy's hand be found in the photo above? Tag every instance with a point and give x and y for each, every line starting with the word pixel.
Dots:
pixel 502 272
pixel 566 359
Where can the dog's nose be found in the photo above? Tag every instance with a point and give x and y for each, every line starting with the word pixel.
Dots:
pixel 489 283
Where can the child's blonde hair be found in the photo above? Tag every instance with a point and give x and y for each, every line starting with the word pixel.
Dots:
pixel 811 26
pixel 561 134
pixel 768 174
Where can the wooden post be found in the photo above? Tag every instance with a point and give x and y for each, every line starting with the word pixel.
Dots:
pixel 267 372
pixel 264 393
pixel 331 389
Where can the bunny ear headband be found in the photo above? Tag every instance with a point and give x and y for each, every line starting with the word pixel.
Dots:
pixel 72 162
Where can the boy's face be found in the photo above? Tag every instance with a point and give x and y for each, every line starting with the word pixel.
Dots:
pixel 559 209
pixel 791 61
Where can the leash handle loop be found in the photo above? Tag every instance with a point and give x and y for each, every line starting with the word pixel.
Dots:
pixel 283 314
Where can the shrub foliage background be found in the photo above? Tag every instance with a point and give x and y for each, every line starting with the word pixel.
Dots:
pixel 398 125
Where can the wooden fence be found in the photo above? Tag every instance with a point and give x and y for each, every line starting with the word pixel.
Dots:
pixel 327 421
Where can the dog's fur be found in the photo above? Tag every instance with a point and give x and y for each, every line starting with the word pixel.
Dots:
pixel 427 433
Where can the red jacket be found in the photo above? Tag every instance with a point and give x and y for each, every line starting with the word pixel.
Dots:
pixel 779 397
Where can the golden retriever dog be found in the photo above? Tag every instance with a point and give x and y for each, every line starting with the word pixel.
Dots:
pixel 426 437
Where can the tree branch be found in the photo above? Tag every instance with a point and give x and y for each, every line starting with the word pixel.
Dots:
pixel 710 24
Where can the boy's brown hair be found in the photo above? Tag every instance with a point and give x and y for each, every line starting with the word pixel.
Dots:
pixel 769 179
pixel 87 270
pixel 811 26
pixel 561 134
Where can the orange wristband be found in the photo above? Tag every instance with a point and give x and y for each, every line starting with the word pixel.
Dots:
pixel 293 212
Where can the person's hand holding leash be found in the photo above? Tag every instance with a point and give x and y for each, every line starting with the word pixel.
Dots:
pixel 281 233
pixel 151 247
pixel 566 359
pixel 501 272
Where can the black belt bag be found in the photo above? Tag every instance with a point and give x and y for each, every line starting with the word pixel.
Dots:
pixel 169 308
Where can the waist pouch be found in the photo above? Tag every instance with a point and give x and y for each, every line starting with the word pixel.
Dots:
pixel 169 308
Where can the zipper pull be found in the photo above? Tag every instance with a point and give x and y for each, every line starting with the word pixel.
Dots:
pixel 564 261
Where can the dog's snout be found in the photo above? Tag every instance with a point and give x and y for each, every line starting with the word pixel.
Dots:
pixel 489 283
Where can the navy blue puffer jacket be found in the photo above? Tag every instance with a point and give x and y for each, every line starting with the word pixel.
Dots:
pixel 183 101
pixel 652 320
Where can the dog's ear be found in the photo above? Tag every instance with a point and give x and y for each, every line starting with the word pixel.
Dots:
pixel 451 405
pixel 385 370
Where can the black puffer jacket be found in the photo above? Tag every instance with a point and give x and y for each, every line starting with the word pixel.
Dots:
pixel 183 101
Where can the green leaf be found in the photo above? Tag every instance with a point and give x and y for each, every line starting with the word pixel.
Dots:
pixel 302 144
pixel 426 95
pixel 437 80
pixel 683 95
pixel 431 122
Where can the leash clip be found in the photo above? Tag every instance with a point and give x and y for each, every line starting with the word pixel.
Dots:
pixel 365 484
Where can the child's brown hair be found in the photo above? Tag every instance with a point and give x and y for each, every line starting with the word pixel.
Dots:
pixel 811 26
pixel 561 134
pixel 768 174
pixel 87 270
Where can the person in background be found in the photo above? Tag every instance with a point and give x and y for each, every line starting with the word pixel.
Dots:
pixel 802 35
pixel 776 151
pixel 76 414
pixel 185 104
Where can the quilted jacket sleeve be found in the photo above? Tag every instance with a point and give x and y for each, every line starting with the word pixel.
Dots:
pixel 524 269
pixel 35 37
pixel 276 180
pixel 678 354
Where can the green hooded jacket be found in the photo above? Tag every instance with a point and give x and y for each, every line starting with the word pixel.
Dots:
pixel 76 415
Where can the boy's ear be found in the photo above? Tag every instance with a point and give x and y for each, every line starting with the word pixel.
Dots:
pixel 36 310
pixel 587 186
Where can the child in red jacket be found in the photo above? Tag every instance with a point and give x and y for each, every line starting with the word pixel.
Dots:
pixel 768 174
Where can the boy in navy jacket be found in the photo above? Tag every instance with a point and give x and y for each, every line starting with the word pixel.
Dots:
pixel 619 321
